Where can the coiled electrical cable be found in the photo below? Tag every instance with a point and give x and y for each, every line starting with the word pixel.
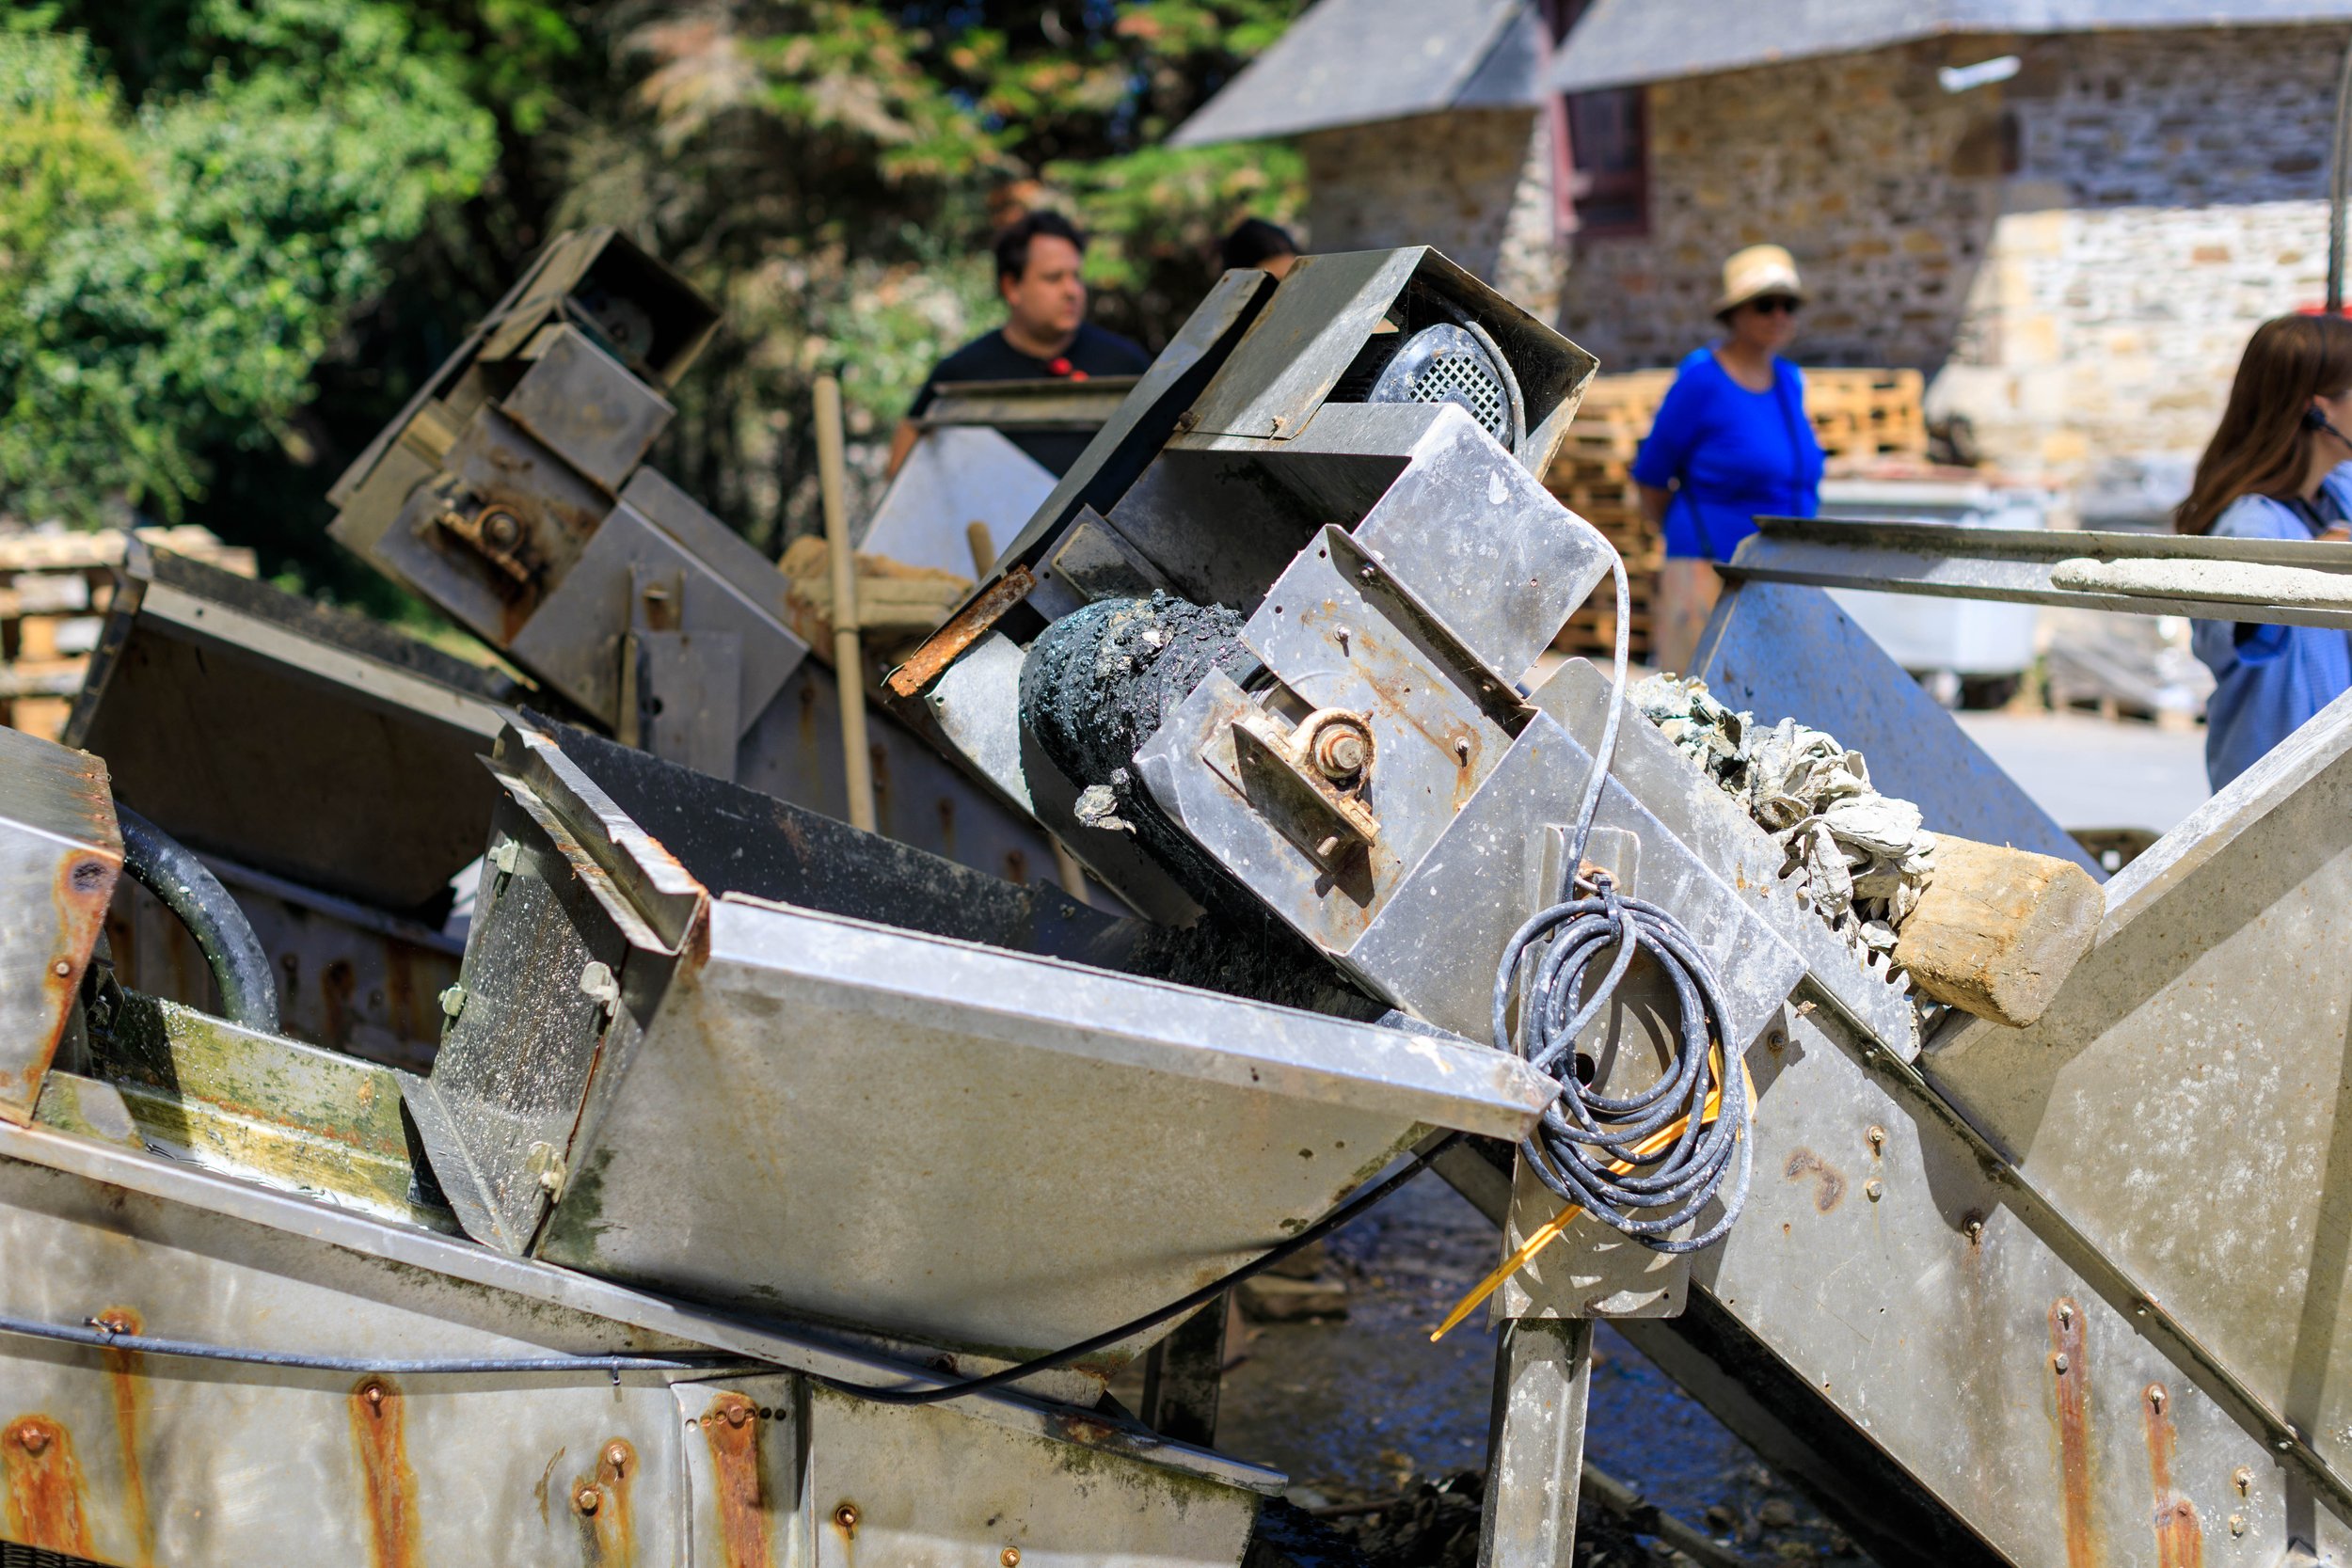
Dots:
pixel 1644 1163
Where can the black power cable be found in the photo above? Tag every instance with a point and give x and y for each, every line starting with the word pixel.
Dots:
pixel 1583 1136
pixel 240 965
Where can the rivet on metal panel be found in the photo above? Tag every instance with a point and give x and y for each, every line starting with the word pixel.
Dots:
pixel 740 1492
pixel 378 1434
pixel 2238 1524
pixel 62 968
pixel 45 1487
pixel 123 1369
pixel 1878 1139
pixel 1010 1557
pixel 2243 1478
pixel 1874 1190
pixel 602 1503
pixel 846 1517
pixel 2180 1539
pixel 2076 1485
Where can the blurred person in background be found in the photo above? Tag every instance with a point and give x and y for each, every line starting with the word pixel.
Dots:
pixel 1046 335
pixel 1255 242
pixel 1730 441
pixel 2275 470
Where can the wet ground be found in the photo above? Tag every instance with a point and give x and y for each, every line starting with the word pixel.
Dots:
pixel 1367 1408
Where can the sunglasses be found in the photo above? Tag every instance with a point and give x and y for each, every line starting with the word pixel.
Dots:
pixel 1771 305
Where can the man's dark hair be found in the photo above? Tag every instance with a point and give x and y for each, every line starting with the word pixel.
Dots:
pixel 1254 241
pixel 1012 243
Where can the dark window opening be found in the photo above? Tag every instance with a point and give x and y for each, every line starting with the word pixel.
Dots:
pixel 1600 148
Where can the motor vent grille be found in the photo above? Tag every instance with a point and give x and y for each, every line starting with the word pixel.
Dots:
pixel 1445 364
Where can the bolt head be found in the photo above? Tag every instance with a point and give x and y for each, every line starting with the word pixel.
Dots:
pixel 2057 1364
pixel 587 1499
pixel 1874 1190
pixel 2238 1524
pixel 454 1000
pixel 1878 1137
pixel 846 1515
pixel 1010 1557
pixel 2155 1398
pixel 616 1455
pixel 32 1437
pixel 62 968
pixel 737 1415
pixel 2243 1478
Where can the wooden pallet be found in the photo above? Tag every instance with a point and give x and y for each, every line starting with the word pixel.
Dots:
pixel 54 590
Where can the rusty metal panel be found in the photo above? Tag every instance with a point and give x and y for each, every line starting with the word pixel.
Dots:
pixel 2187 1098
pixel 930 1489
pixel 60 851
pixel 579 400
pixel 146 1459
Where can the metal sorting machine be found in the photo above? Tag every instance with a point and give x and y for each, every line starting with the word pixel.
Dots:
pixel 745 1126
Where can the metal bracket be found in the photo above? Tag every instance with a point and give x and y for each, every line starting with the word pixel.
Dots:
pixel 1285 773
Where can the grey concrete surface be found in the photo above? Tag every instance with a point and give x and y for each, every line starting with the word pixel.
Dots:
pixel 2091 772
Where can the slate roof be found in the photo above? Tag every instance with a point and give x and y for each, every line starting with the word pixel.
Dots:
pixel 1351 62
pixel 1621 42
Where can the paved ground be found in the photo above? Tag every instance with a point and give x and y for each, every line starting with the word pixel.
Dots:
pixel 2090 772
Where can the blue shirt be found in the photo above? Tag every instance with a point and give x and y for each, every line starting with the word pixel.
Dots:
pixel 1736 453
pixel 2270 679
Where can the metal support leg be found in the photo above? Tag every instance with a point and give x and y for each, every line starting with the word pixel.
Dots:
pixel 1535 1450
pixel 1182 1377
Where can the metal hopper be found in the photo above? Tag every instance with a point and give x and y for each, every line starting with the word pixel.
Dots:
pixel 661 1071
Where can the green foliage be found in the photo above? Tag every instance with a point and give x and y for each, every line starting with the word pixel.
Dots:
pixel 235 234
pixel 213 245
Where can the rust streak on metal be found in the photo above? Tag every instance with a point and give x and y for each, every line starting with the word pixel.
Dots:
pixel 124 1369
pixel 965 628
pixel 1829 1181
pixel 45 1487
pixel 732 1427
pixel 2179 1538
pixel 602 1502
pixel 378 1434
pixel 2069 1370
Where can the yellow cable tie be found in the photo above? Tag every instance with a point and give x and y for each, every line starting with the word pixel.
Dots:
pixel 1549 1230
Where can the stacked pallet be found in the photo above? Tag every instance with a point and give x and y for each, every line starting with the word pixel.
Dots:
pixel 1593 476
pixel 1857 414
pixel 53 608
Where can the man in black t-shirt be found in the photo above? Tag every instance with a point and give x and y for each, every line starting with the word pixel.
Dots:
pixel 1045 335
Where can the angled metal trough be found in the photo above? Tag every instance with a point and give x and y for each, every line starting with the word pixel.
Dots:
pixel 658 1075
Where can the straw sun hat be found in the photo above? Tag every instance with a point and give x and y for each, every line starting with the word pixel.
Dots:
pixel 1758 271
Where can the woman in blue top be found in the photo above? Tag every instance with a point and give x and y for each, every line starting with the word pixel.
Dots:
pixel 2272 471
pixel 1731 441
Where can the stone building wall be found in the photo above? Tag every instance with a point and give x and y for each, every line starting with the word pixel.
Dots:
pixel 1474 183
pixel 2076 254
